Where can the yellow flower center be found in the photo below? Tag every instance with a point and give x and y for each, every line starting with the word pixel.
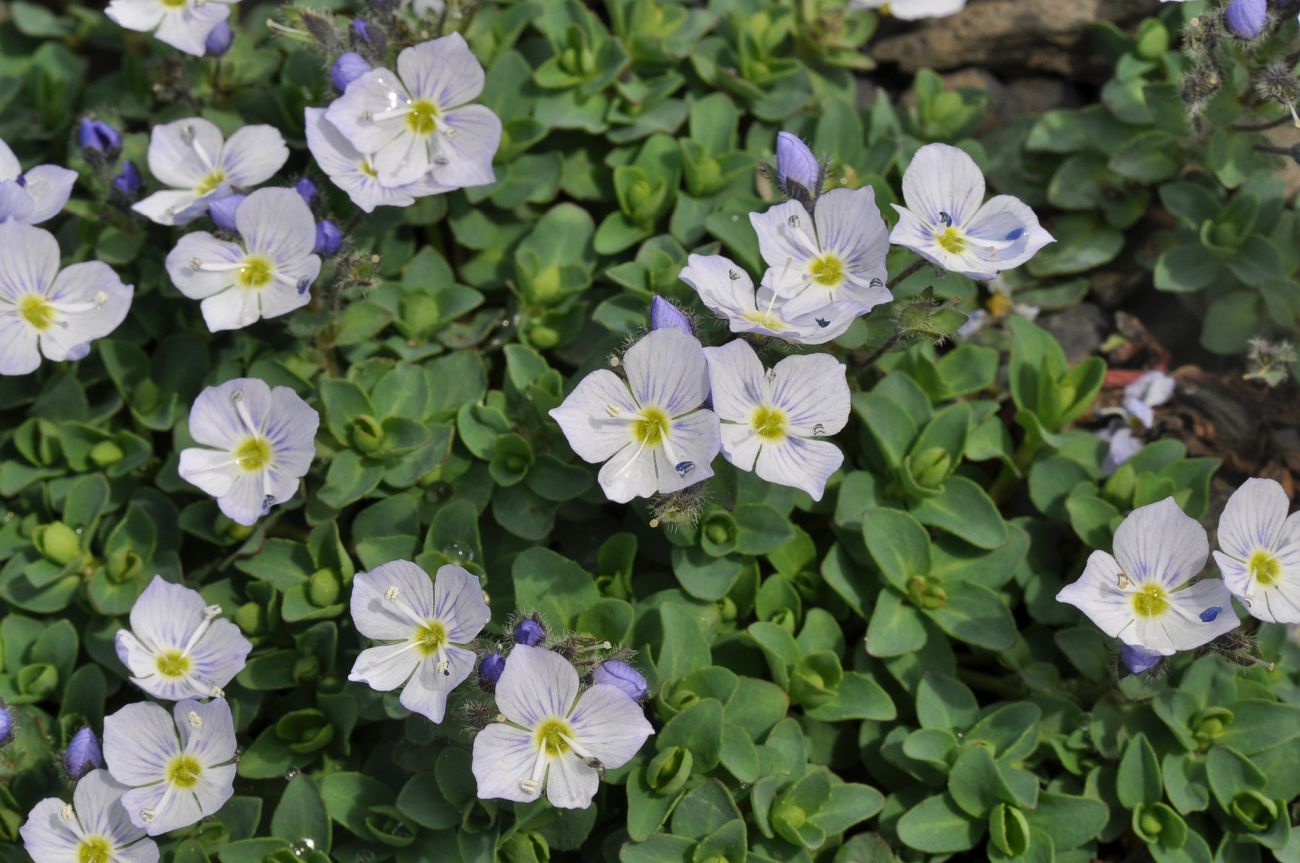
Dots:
pixel 217 177
pixel 253 454
pixel 1151 600
pixel 368 169
pixel 827 271
pixel 766 321
pixel 652 428
pixel 94 849
pixel 1264 568
pixel 999 305
pixel 37 311
pixel 184 771
pixel 256 272
pixel 431 637
pixel 173 664
pixel 769 423
pixel 422 117
pixel 951 240
pixel 550 736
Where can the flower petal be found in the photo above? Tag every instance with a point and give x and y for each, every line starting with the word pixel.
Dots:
pixel 139 740
pixel 10 167
pixel 1197 614
pixel 231 310
pixel 343 164
pixel 740 445
pixel 943 180
pixel 277 223
pixel 850 226
pixel 695 440
pixel 49 187
pixel 1097 594
pixel 187 29
pixel 253 154
pixel 799 463
pixel 19 354
pixel 29 260
pixel 571 784
pixel 290 424
pixel 211 737
pixel 182 153
pixel 97 800
pixel 375 92
pixel 631 472
pixel 609 725
pixel 813 391
pixel 536 684
pixel 426 691
pixel 170 207
pixel 1253 517
pixel 15 204
pixel 442 70
pixel 458 603
pixel 214 471
pixel 143 16
pixel 786 241
pixel 723 286
pixel 468 144
pixel 736 381
pixel 585 419
pixel 503 759
pixel 666 369
pixel 202 248
pixel 376 616
pixel 386 667
pixel 1161 542
pixel 219 655
pixel 165 615
pixel 84 285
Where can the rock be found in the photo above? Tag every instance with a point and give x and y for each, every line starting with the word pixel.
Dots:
pixel 1286 136
pixel 1079 329
pixel 1041 35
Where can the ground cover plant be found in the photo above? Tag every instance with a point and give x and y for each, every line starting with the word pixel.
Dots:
pixel 644 431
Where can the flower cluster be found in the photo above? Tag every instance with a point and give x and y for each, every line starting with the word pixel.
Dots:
pixel 1144 594
pixel 394 137
pixel 549 734
pixel 658 431
pixel 164 771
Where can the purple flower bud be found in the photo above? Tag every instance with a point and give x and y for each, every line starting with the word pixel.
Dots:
pixel 218 41
pixel 664 314
pixel 98 140
pixel 622 676
pixel 128 182
pixel 6 726
pixel 1246 18
pixel 489 672
pixel 83 754
pixel 795 163
pixel 329 239
pixel 347 68
pixel 529 632
pixel 306 190
pixel 222 211
pixel 360 30
pixel 1139 659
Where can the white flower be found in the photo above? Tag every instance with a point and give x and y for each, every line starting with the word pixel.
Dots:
pixel 182 24
pixel 426 627
pixel 729 293
pixel 193 158
pixel 265 276
pixel 836 255
pixel 180 768
pixel 1122 445
pixel 771 417
pixel 945 223
pixel 31 197
pixel 911 10
pixel 650 431
pixel 178 646
pixel 47 311
pixel 553 737
pixel 262 443
pixel 1141 595
pixel 93 829
pixel 1260 560
pixel 417 123
pixel 354 172
pixel 1148 391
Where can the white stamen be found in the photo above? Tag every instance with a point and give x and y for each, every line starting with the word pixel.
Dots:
pixel 195 720
pixel 391 594
pixel 66 813
pixel 148 816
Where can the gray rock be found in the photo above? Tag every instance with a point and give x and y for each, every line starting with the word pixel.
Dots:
pixel 1079 329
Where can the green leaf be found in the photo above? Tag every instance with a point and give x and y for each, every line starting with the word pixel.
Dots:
pixel 945 702
pixel 300 815
pixel 552 584
pixel 1139 780
pixel 937 825
pixel 897 543
pixel 965 510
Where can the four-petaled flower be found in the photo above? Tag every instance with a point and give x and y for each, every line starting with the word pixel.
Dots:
pixel 729 293
pixel 1140 594
pixel 179 768
pixel 94 828
pixel 183 24
pixel 198 164
pixel 835 255
pixel 265 276
pixel 47 311
pixel 178 646
pixel 33 196
pixel 426 626
pixel 257 443
pixel 1260 557
pixel 418 123
pixel 651 431
pixel 947 222
pixel 772 417
pixel 552 736
pixel 354 172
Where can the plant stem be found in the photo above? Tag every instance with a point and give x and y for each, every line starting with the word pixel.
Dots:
pixel 912 268
pixel 883 349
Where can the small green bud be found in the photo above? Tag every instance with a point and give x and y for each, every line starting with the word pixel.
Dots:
pixel 1209 725
pixel 727 608
pixel 58 542
pixel 420 314
pixel 231 529
pixel 1150 824
pixel 249 617
pixel 669 770
pixel 145 395
pixel 790 816
pixel 703 177
pixel 106 453
pixel 323 588
pixel 543 336
pixel 1008 830
pixel 930 467
pixel 1152 40
pixel 367 434
pixel 1255 811
pixel 38 680
pixel 306 668
pixel 123 565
